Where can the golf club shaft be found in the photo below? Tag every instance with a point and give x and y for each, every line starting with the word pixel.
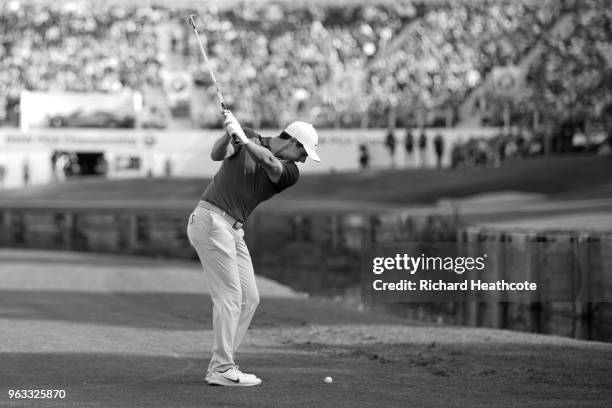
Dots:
pixel 212 76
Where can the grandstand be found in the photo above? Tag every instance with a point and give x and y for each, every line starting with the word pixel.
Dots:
pixel 542 66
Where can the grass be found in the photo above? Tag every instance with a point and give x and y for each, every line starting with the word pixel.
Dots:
pixel 558 177
pixel 124 336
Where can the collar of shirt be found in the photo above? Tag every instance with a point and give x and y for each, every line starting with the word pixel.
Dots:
pixel 265 142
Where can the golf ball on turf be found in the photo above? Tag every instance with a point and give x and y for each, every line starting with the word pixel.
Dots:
pixel 328 380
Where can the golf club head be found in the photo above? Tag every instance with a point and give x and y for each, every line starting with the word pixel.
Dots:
pixel 191 21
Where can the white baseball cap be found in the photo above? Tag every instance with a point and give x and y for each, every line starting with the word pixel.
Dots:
pixel 306 134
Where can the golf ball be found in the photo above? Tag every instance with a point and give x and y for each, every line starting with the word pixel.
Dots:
pixel 328 380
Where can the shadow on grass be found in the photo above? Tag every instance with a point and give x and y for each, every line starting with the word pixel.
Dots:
pixel 110 380
pixel 295 378
pixel 169 311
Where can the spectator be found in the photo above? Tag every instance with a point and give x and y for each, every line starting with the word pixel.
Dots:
pixel 521 144
pixel 423 148
pixel 26 172
pixel 457 158
pixel 390 144
pixel 61 166
pixel 2 175
pixel 101 166
pixel 536 145
pixel 73 167
pixel 364 156
pixel 168 167
pixel 510 149
pixel 606 146
pixel 408 145
pixel 439 148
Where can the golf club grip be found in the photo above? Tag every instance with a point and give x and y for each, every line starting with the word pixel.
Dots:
pixel 234 137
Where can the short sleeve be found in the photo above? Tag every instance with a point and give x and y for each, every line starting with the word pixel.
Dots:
pixel 289 177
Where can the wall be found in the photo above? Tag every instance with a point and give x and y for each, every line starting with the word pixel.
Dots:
pixel 189 150
pixel 320 253
pixel 567 265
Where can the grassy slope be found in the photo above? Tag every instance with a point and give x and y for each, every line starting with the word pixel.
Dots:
pixel 550 176
pixel 567 177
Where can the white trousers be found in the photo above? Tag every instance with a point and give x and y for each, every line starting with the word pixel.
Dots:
pixel 231 281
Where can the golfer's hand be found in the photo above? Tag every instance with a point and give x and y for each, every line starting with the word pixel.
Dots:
pixel 233 128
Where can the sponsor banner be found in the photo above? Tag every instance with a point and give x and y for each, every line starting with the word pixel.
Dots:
pixel 179 89
pixel 82 110
pixel 507 80
pixel 347 86
pixel 70 140
pixel 187 152
pixel 487 272
pixel 107 140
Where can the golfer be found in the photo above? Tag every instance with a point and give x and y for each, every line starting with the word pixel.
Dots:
pixel 254 169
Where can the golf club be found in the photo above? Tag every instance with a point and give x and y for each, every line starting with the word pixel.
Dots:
pixel 212 76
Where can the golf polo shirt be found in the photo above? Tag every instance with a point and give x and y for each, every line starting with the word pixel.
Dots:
pixel 241 183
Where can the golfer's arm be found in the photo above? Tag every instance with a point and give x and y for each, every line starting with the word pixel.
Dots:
pixel 222 149
pixel 272 166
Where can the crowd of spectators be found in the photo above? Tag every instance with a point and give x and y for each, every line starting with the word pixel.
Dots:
pixel 580 49
pixel 451 49
pixel 523 143
pixel 344 60
pixel 277 59
pixel 476 152
pixel 75 47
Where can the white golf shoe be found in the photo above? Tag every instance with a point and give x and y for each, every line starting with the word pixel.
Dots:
pixel 232 377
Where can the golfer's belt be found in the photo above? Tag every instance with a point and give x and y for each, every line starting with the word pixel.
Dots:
pixel 236 224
